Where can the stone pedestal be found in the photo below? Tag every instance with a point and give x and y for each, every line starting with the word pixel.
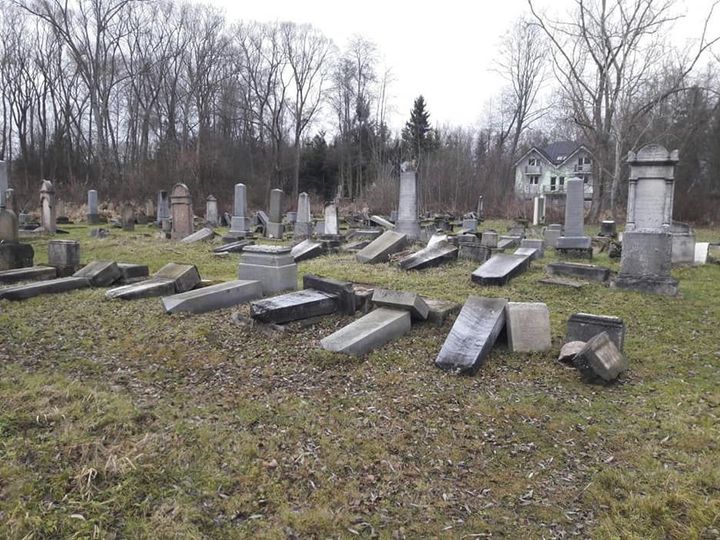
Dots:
pixel 574 242
pixel 211 211
pixel 407 222
pixel 181 211
pixel 273 266
pixel 65 256
pixel 646 263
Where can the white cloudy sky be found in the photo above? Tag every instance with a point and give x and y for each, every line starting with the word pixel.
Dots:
pixel 444 50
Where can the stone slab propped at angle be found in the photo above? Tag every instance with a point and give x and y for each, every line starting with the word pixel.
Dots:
pixel 33 273
pixel 380 249
pixel 500 268
pixel 220 296
pixel 369 332
pixel 50 286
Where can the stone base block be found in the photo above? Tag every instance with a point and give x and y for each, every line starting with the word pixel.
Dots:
pixel 15 255
pixel 653 285
pixel 575 253
pixel 273 266
pixel 93 219
pixel 274 230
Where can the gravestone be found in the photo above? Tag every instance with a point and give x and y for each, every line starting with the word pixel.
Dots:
pixel 294 306
pixel 10 202
pixel 33 273
pixel 274 227
pixel 234 247
pixel 402 300
pixel 480 213
pixel 577 270
pixel 220 296
pixel 8 226
pixel 50 286
pixel 469 224
pixel 15 255
pixel 536 244
pixel 181 212
pixel 384 223
pixel 93 218
pixel 489 239
pixel 683 247
pixel 369 332
pixel 585 326
pixel 100 273
pixel 608 228
pixel 538 210
pixel 307 249
pixel 701 252
pixel 407 222
pixel 433 255
pixel 273 266
pixel 342 290
pixel 127 217
pixel 500 268
pixel 528 326
pixel 240 221
pixel 646 259
pixel 574 242
pixel 331 220
pixel 64 255
pixel 3 182
pixel 203 235
pixel 150 212
pixel 473 335
pixel 303 224
pixel 380 249
pixel 170 279
pixel 48 221
pixel 551 233
pixel 163 207
pixel 600 360
pixel 133 272
pixel 211 211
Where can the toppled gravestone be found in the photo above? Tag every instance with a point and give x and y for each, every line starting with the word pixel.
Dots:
pixel 369 332
pixel 432 255
pixel 403 300
pixel 590 272
pixel 342 290
pixel 50 286
pixel 294 306
pixel 307 249
pixel 100 273
pixel 380 249
pixel 500 268
pixel 219 296
pixel 33 273
pixel 473 335
pixel 584 326
pixel 170 279
pixel 600 360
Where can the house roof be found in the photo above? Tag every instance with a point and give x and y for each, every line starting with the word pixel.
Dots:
pixel 557 152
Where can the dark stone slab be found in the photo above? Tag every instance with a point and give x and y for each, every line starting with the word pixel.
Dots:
pixel 474 252
pixel 577 270
pixel 562 282
pixel 133 271
pixel 147 288
pixel 380 249
pixel 100 273
pixel 403 300
pixel 343 290
pixel 293 306
pixel 600 360
pixel 473 335
pixel 434 255
pixel 234 247
pixel 50 286
pixel 500 269
pixel 15 255
pixel 34 273
pixel 307 249
pixel 585 326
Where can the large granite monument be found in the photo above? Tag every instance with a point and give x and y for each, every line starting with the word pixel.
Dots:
pixel 573 241
pixel 240 222
pixel 407 222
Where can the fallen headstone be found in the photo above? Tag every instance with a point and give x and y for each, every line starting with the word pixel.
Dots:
pixel 403 300
pixel 528 326
pixel 206 233
pixel 473 335
pixel 590 272
pixel 584 326
pixel 573 284
pixel 185 276
pixel 600 360
pixel 380 249
pixel 50 286
pixel 534 243
pixel 33 273
pixel 507 242
pixel 170 279
pixel 343 290
pixel 294 306
pixel 220 296
pixel 500 268
pixel 100 273
pixel 368 332
pixel 569 351
pixel 132 271
pixel 307 249
pixel 234 247
pixel 433 255
pixel 384 223
pixel 530 253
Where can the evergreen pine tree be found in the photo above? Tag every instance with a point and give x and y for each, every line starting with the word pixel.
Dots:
pixel 417 135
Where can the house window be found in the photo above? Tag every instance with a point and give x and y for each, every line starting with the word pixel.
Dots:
pixel 534 179
pixel 561 159
pixel 562 182
pixel 533 162
pixel 553 183
pixel 584 160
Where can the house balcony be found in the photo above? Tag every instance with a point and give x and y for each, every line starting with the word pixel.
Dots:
pixel 583 169
pixel 554 190
pixel 533 169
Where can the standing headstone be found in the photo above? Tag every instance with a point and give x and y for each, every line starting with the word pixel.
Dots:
pixel 701 252
pixel 275 227
pixel 480 208
pixel 47 207
pixel 92 213
pixel 211 211
pixel 407 222
pixel 551 234
pixel 489 239
pixel 528 326
pixel 163 207
pixel 65 256
pixel 646 260
pixel 331 219
pixel 8 226
pixel 240 222
pixel 574 241
pixel 585 326
pixel 10 203
pixel 303 223
pixel 181 212
pixel 3 182
pixel 127 217
pixel 538 210
pixel 150 210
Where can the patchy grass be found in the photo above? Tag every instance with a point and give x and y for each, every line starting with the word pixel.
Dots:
pixel 118 420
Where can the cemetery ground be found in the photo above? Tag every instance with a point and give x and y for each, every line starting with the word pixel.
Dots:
pixel 119 421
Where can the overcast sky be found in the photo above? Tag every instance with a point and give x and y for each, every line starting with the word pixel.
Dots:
pixel 444 50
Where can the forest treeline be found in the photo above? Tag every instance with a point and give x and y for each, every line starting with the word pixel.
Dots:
pixel 130 96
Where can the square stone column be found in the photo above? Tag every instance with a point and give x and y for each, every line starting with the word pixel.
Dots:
pixel 275 227
pixel 92 213
pixel 239 223
pixel 407 221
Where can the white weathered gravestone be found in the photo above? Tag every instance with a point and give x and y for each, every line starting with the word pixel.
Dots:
pixel 240 222
pixel 538 210
pixel 47 207
pixel 646 260
pixel 92 213
pixel 407 222
pixel 573 240
pixel 163 207
pixel 182 212
pixel 10 202
pixel 275 227
pixel 127 217
pixel 211 211
pixel 303 223
pixel 331 219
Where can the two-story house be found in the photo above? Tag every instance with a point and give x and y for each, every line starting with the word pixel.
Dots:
pixel 543 171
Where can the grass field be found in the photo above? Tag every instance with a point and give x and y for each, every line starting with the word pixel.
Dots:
pixel 119 421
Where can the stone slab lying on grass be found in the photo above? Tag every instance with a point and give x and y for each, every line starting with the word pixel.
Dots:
pixel 528 326
pixel 49 286
pixel 534 243
pixel 473 335
pixel 147 288
pixel 380 249
pixel 100 273
pixel 590 272
pixel 530 253
pixel 585 326
pixel 220 296
pixel 234 247
pixel 369 332
pixel 343 290
pixel 500 268
pixel 403 300
pixel 206 233
pixel 185 276
pixel 33 273
pixel 433 255
pixel 573 284
pixel 294 306
pixel 132 271
pixel 384 223
pixel 507 242
pixel 600 360
pixel 307 249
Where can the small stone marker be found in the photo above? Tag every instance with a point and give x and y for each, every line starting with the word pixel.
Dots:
pixel 439 310
pixel 273 266
pixel 404 300
pixel 380 249
pixel 234 247
pixel 93 218
pixel 369 332
pixel 184 276
pixel 585 326
pixel 608 228
pixel 683 247
pixel 307 249
pixel 433 255
pixel 600 360
pixel 203 235
pixel 163 207
pixel 170 279
pixel 181 212
pixel 220 296
pixel 701 252
pixel 473 335
pixel 534 243
pixel 294 306
pixel 127 217
pixel 48 219
pixel 343 290
pixel 578 270
pixel 100 273
pixel 530 253
pixel 528 326
pixel 569 351
pixel 551 234
pixel 34 273
pixel 15 255
pixel 50 286
pixel 500 268
pixel 489 239
pixel 331 219
pixel 64 255
pixel 132 272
